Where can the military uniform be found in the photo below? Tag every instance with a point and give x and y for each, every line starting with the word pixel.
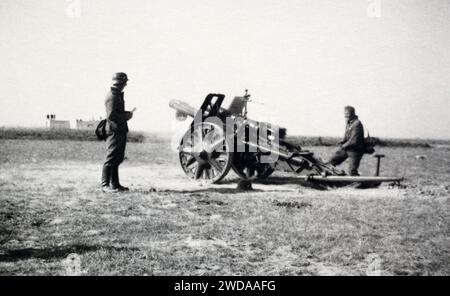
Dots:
pixel 352 146
pixel 117 129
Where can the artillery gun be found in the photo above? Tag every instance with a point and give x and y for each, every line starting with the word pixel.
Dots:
pixel 220 139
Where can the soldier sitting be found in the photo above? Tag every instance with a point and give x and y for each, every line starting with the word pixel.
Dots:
pixel 353 144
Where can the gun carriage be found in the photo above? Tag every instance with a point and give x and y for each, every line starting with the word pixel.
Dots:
pixel 220 139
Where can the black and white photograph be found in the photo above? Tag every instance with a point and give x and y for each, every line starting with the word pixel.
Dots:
pixel 211 138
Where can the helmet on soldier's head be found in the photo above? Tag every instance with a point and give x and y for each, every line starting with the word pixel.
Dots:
pixel 350 109
pixel 120 76
pixel 119 80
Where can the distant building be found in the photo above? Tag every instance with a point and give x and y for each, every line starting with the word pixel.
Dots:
pixel 87 125
pixel 57 124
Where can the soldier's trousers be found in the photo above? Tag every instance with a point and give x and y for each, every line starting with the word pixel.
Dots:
pixel 115 153
pixel 354 158
pixel 115 149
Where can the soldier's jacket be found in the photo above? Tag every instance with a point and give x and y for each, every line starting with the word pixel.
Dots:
pixel 116 115
pixel 354 136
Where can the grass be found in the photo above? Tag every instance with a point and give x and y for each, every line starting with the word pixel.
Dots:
pixel 141 137
pixel 54 220
pixel 59 134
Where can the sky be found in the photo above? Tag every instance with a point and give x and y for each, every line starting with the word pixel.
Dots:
pixel 301 60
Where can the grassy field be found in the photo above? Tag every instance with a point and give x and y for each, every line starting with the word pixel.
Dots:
pixel 54 219
pixel 9 133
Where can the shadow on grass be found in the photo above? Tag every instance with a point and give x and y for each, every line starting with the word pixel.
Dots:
pixel 281 180
pixel 212 190
pixel 55 253
pixel 290 180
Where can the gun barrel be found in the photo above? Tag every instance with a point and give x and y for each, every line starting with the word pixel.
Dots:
pixel 182 107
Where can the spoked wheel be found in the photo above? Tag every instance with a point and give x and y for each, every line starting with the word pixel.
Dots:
pixel 205 153
pixel 247 166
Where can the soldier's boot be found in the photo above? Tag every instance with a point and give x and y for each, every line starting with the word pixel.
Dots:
pixel 106 176
pixel 115 184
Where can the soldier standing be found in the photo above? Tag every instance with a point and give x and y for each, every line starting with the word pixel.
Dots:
pixel 117 129
pixel 353 144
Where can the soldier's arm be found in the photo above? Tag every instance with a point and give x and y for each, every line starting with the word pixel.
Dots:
pixel 355 134
pixel 343 140
pixel 114 115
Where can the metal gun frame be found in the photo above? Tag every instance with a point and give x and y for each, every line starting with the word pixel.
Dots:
pixel 208 150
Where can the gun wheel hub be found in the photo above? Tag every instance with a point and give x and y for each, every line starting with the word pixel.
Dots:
pixel 205 153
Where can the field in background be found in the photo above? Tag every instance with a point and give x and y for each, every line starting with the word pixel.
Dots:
pixel 54 220
pixel 141 137
pixel 58 134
